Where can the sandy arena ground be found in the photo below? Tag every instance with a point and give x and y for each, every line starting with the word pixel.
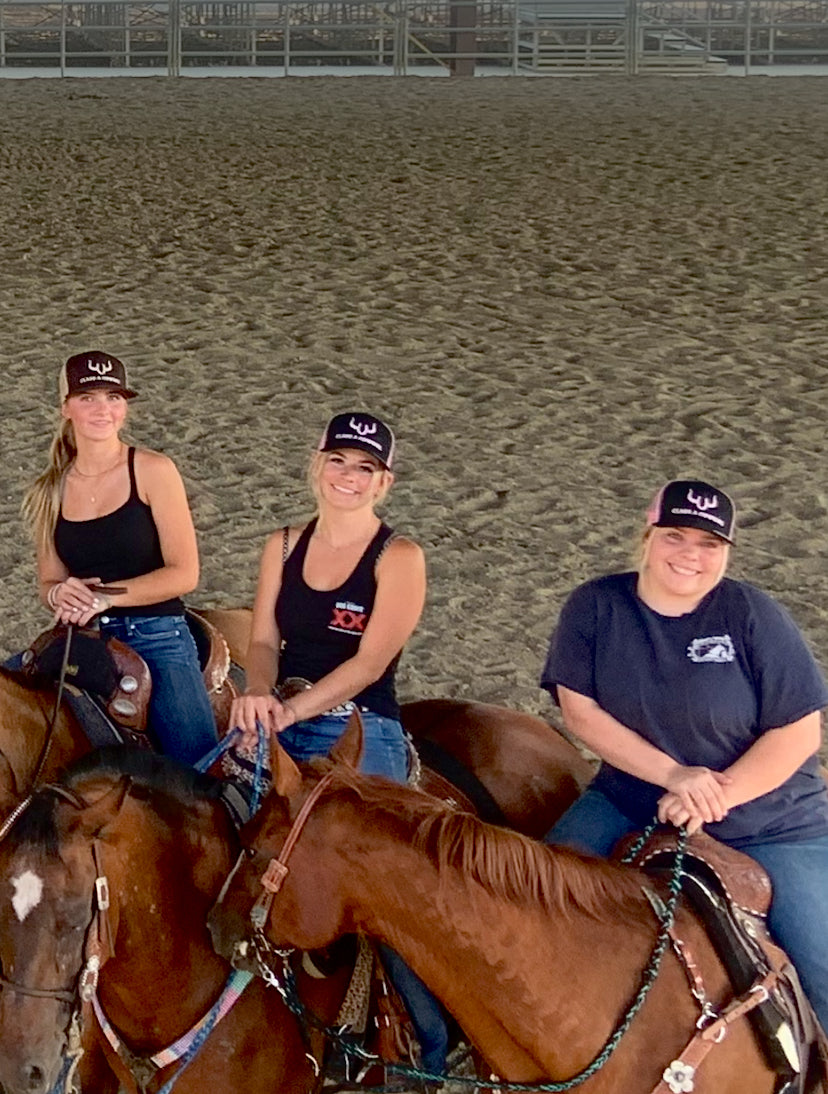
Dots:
pixel 561 292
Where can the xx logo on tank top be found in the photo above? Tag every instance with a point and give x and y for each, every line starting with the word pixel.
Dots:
pixel 348 618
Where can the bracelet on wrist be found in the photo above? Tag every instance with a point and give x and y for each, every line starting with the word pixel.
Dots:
pixel 51 595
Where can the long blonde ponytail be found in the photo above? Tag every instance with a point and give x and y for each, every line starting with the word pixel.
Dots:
pixel 41 504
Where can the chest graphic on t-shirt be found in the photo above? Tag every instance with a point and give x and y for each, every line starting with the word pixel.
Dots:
pixel 348 618
pixel 718 648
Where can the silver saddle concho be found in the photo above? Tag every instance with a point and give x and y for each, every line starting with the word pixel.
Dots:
pixel 294 685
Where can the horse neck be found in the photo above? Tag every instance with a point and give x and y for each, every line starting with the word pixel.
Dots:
pixel 462 940
pixel 25 714
pixel 163 973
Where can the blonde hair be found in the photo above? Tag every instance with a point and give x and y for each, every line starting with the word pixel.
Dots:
pixel 317 462
pixel 41 503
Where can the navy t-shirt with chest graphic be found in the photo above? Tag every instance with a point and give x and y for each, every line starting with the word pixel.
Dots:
pixel 703 687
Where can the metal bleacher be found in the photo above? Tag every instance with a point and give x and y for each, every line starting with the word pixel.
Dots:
pixel 606 35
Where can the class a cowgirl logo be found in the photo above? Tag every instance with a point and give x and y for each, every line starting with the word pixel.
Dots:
pixel 717 649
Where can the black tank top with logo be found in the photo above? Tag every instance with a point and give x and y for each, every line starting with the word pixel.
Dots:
pixel 117 546
pixel 322 628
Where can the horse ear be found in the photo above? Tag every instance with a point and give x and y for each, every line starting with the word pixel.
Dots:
pixel 92 819
pixel 348 749
pixel 286 777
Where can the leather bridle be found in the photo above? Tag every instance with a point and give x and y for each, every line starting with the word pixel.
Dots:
pixel 277 869
pixel 98 941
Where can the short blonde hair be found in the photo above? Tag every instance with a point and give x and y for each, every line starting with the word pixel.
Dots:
pixel 317 462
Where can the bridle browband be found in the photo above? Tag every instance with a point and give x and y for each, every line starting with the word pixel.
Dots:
pixel 277 869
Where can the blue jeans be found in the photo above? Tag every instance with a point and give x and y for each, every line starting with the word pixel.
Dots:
pixel 798 873
pixel 385 750
pixel 180 716
pixel 385 753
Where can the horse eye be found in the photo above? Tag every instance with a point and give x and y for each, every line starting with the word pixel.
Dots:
pixel 250 852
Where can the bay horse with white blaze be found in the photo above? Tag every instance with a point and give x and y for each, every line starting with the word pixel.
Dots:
pixel 537 951
pixel 161 838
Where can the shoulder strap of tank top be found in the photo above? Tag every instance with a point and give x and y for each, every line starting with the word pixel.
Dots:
pixel 297 555
pixel 381 540
pixel 133 485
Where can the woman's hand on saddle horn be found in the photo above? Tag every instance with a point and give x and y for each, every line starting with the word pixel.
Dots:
pixel 75 600
pixel 253 707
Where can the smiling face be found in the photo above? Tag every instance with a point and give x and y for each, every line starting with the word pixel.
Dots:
pixel 680 567
pixel 95 415
pixel 348 478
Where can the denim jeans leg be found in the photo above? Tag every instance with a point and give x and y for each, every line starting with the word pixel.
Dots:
pixel 592 824
pixel 385 751
pixel 180 714
pixel 799 874
pixel 423 1008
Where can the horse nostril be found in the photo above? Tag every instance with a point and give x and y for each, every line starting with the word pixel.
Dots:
pixel 34 1079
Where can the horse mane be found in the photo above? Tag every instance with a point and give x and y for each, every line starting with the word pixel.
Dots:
pixel 169 785
pixel 152 776
pixel 506 864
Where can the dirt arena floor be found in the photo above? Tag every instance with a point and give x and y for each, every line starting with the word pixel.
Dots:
pixel 561 292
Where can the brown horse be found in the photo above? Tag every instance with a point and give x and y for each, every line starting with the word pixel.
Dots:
pixel 25 716
pixel 536 951
pixel 161 836
pixel 530 771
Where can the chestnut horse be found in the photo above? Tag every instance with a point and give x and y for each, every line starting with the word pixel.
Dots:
pixel 161 836
pixel 530 771
pixel 537 951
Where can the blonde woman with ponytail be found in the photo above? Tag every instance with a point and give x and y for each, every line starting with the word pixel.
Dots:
pixel 105 513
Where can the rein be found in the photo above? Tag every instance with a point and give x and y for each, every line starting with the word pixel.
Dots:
pixel 107 590
pixel 52 722
pixel 274 877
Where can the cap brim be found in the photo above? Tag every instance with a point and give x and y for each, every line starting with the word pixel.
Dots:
pixel 126 392
pixel 692 522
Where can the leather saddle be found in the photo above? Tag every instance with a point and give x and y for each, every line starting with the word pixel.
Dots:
pixel 108 684
pixel 731 894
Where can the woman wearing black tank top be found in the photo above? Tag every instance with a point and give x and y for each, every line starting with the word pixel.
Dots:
pixel 103 513
pixel 337 600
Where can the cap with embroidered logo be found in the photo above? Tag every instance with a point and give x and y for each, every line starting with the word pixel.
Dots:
pixel 360 430
pixel 94 371
pixel 690 503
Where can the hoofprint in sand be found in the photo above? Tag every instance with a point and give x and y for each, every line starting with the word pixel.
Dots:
pixel 561 292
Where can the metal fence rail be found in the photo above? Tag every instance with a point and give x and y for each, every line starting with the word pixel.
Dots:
pixel 460 37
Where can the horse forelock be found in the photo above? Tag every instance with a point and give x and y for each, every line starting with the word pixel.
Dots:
pixel 35 826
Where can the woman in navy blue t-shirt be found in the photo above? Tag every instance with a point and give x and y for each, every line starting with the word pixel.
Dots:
pixel 703 702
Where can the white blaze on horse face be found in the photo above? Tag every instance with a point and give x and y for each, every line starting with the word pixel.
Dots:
pixel 28 889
